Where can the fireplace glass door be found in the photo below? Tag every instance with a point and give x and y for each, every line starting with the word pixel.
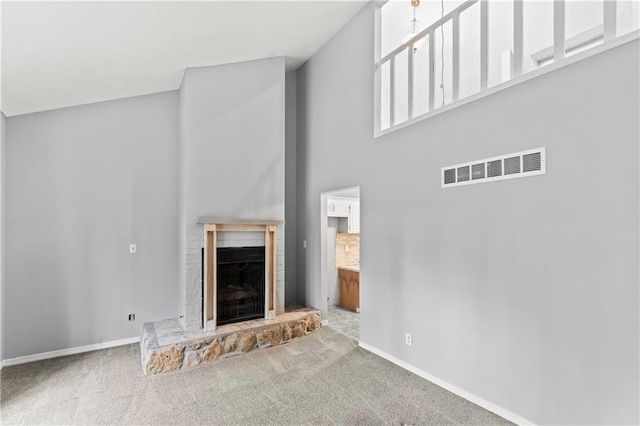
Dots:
pixel 240 284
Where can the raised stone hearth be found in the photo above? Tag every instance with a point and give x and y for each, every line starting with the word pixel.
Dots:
pixel 166 346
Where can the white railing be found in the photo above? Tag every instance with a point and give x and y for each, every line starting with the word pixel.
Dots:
pixel 559 39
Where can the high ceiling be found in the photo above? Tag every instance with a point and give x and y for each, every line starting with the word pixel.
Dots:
pixel 59 54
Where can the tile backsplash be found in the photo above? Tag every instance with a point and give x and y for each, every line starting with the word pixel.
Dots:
pixel 347 249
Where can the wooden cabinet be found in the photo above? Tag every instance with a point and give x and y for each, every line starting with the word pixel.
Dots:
pixel 349 289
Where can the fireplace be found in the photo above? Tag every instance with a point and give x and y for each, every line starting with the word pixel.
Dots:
pixel 240 279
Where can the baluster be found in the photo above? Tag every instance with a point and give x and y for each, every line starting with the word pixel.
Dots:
pixel 484 43
pixel 609 21
pixel 432 80
pixel 392 91
pixel 558 30
pixel 410 82
pixel 518 37
pixel 456 57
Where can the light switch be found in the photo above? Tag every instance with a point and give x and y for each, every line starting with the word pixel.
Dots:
pixel 132 248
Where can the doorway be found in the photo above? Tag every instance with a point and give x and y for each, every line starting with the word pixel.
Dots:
pixel 340 259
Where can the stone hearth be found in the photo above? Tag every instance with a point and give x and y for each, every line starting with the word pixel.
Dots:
pixel 166 346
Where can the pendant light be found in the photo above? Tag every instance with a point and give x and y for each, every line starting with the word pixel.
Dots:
pixel 414 29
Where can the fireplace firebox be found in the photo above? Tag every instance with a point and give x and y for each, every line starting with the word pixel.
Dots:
pixel 217 235
pixel 240 284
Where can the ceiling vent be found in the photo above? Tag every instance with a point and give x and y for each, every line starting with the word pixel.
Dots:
pixel 510 166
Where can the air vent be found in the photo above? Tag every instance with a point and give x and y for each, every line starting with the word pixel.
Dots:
pixel 450 176
pixel 494 168
pixel 510 166
pixel 463 173
pixel 532 162
pixel 477 171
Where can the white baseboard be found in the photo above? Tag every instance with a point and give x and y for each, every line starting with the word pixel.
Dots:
pixel 451 388
pixel 70 351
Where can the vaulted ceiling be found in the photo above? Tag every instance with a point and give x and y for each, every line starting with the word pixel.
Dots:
pixel 58 54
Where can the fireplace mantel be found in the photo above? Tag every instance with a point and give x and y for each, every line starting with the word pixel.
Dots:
pixel 212 227
pixel 212 220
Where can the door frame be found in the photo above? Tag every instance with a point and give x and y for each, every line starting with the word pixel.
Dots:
pixel 324 261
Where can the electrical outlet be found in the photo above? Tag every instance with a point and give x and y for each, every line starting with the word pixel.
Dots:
pixel 132 317
pixel 304 244
pixel 132 248
pixel 407 339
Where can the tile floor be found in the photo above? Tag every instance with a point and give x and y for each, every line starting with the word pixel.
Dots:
pixel 344 321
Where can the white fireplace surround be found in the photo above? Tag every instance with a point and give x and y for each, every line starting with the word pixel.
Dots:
pixel 218 232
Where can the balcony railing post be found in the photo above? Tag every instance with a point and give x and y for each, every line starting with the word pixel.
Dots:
pixel 518 39
pixel 392 91
pixel 609 20
pixel 558 30
pixel 432 80
pixel 456 57
pixel 484 43
pixel 410 81
pixel 377 93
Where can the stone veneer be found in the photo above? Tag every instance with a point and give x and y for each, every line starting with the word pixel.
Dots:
pixel 166 346
pixel 193 284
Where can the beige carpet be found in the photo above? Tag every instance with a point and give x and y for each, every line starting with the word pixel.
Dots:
pixel 324 378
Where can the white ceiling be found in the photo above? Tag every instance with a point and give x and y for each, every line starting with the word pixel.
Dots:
pixel 58 54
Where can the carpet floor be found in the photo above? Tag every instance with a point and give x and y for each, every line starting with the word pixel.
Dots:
pixel 323 378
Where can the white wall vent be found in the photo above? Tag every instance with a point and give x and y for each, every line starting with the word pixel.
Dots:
pixel 510 166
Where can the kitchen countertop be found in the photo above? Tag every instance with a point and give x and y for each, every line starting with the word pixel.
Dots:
pixel 352 268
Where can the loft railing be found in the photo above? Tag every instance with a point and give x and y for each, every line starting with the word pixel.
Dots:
pixel 559 40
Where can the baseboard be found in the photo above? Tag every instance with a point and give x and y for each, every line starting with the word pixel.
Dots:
pixel 324 322
pixel 70 351
pixel 451 388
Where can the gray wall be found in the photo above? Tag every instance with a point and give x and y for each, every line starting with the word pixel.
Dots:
pixel 290 163
pixel 521 292
pixel 82 183
pixel 232 155
pixel 3 126
pixel 303 291
pixel 232 129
